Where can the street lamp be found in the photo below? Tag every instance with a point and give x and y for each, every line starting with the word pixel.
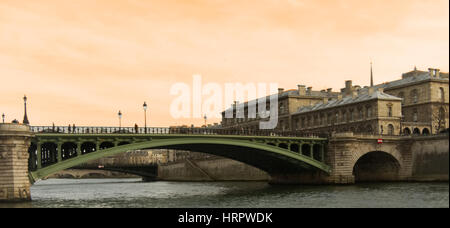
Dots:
pixel 204 117
pixel 145 116
pixel 25 117
pixel 120 120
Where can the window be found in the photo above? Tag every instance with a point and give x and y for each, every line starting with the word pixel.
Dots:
pixel 414 96
pixel 390 129
pixel 281 107
pixel 442 94
pixel 352 117
pixel 368 112
pixel 361 114
pixel 402 96
pixel 415 115
pixel 390 111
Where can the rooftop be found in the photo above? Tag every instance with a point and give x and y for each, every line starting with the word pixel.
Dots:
pixel 376 95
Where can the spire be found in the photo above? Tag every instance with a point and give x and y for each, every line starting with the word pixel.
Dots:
pixel 371 75
pixel 25 117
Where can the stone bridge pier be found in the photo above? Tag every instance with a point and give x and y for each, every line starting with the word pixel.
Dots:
pixel 15 140
pixel 362 158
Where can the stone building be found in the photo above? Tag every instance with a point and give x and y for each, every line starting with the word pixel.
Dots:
pixel 288 103
pixel 418 103
pixel 425 100
pixel 364 111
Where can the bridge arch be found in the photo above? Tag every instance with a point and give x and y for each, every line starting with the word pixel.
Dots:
pixel 265 157
pixel 377 166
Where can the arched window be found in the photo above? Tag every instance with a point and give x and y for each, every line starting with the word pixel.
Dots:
pixel 390 111
pixel 390 129
pixel 407 131
pixel 442 94
pixel 361 114
pixel 414 96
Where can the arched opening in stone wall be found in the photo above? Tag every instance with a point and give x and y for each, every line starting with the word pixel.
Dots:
pixel 425 131
pixel 390 129
pixel 416 131
pixel 376 166
pixel 406 131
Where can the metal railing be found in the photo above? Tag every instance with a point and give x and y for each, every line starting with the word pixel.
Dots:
pixel 169 130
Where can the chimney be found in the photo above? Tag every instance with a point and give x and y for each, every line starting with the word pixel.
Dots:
pixel 371 91
pixel 325 100
pixel 329 90
pixel 437 73
pixel 280 90
pixel 301 90
pixel 308 91
pixel 431 72
pixel 348 87
pixel 339 97
pixel 354 94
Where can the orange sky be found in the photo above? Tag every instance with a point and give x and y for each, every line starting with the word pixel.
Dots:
pixel 81 61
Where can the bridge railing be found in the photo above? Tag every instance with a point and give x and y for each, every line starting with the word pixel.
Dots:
pixel 168 130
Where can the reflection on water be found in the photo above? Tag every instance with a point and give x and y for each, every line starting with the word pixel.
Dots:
pixel 134 193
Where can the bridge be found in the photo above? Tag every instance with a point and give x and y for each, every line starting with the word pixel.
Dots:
pixel 29 153
pixel 57 148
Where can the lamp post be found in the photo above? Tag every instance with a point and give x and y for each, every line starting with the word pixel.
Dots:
pixel 145 117
pixel 3 117
pixel 120 120
pixel 204 117
pixel 25 117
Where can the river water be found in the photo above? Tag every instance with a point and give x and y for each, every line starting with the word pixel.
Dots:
pixel 134 193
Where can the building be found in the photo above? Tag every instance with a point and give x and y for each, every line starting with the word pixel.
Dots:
pixel 288 103
pixel 418 103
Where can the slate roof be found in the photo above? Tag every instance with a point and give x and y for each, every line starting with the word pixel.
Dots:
pixel 348 100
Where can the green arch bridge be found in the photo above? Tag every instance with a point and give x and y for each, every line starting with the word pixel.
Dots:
pixel 58 148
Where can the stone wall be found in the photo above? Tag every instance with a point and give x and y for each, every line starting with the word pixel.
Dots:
pixel 430 159
pixel 14 143
pixel 214 169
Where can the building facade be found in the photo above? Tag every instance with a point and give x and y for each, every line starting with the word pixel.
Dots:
pixel 418 103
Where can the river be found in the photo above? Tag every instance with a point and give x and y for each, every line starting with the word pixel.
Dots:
pixel 134 193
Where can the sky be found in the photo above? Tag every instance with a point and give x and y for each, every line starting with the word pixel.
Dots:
pixel 80 62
